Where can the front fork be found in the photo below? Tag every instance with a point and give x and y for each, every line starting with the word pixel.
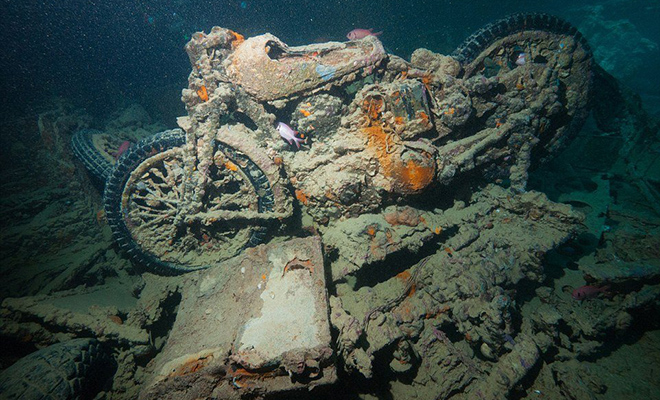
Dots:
pixel 197 160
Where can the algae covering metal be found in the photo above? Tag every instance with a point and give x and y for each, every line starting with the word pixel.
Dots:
pixel 376 130
pixel 259 325
pixel 444 284
pixel 268 69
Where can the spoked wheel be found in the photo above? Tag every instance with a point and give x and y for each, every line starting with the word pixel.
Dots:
pixel 147 211
pixel 530 53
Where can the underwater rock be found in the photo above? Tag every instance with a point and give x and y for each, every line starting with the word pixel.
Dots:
pixel 619 46
pixel 442 68
pixel 622 273
pixel 133 116
pixel 577 382
pixel 350 331
pixel 487 351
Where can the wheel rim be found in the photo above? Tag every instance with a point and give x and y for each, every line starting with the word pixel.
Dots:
pixel 153 197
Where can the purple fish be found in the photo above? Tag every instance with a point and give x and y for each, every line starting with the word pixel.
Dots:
pixel 588 292
pixel 358 33
pixel 289 134
pixel 125 145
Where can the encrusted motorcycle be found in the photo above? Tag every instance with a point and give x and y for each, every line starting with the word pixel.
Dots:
pixel 371 129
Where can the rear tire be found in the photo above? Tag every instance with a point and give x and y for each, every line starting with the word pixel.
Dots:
pixel 549 43
pixel 86 145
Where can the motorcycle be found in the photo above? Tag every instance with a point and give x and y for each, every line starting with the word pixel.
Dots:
pixel 372 129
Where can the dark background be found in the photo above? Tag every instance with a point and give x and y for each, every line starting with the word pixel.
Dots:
pixel 100 55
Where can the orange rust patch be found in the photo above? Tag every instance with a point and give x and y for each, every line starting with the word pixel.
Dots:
pixel 403 275
pixel 437 230
pixel 449 251
pixel 426 79
pixel 301 196
pixel 231 166
pixel 404 310
pixel 371 230
pixel 116 319
pixel 416 177
pixel 413 289
pixel 203 93
pixel 424 117
pixel 297 263
pixel 242 372
pixel 330 196
pixel 243 378
pixel 238 39
pixel 403 216
pixel 441 311
pixel 398 120
pixel 193 364
pixel 379 143
pixel 100 216
pixel 407 177
pixel 305 112
pixel 373 107
pixel 379 140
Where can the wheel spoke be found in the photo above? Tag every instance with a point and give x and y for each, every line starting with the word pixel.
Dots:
pixel 155 198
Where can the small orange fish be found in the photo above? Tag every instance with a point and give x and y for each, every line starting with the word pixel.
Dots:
pixel 203 93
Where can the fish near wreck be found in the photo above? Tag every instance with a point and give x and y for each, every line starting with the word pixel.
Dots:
pixel 383 128
pixel 358 33
pixel 123 147
pixel 588 292
pixel 287 133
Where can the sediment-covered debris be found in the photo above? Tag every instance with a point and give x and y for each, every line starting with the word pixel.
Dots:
pixel 271 304
pixel 423 260
pixel 455 298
